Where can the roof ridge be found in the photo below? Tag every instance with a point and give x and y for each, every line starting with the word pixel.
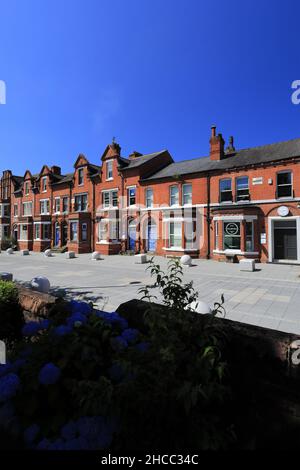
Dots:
pixel 267 145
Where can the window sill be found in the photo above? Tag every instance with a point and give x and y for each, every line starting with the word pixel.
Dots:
pixel 174 248
pixel 109 179
pixel 235 252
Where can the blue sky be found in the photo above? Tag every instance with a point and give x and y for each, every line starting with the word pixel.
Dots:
pixel 154 73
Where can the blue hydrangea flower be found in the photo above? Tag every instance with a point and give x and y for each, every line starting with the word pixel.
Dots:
pixel 44 324
pixel 9 385
pixel 118 343
pixel 44 444
pixel 49 374
pixel 113 318
pixel 58 444
pixel 7 411
pixel 62 330
pixel 80 307
pixel 30 329
pixel 18 364
pixel 31 433
pixel 5 369
pixel 130 335
pixel 142 347
pixel 69 430
pixel 76 318
pixel 116 372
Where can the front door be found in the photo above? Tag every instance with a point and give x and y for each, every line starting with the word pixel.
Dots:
pixel 64 234
pixel 285 240
pixel 131 235
pixel 152 237
pixel 57 235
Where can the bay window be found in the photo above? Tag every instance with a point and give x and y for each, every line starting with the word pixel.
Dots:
pixel 232 235
pixel 74 231
pixel 175 234
pixel 189 234
pixel 110 198
pixel 23 232
pixel 249 236
pixel 102 230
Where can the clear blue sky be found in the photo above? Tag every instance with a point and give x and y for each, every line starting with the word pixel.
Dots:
pixel 154 73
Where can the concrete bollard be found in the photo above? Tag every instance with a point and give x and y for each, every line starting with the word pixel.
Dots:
pixel 24 252
pixel 9 251
pixel 40 284
pixel 186 260
pixel 140 259
pixel 48 253
pixel 96 256
pixel 70 254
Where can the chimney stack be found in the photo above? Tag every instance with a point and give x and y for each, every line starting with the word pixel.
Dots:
pixel 56 170
pixel 135 154
pixel 216 145
pixel 230 148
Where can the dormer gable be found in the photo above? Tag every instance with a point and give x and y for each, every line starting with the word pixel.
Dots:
pixel 81 161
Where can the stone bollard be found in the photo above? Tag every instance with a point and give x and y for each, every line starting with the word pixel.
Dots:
pixel 9 251
pixel 48 253
pixel 6 276
pixel 96 256
pixel 40 284
pixel 186 260
pixel 24 252
pixel 140 259
pixel 70 254
pixel 200 307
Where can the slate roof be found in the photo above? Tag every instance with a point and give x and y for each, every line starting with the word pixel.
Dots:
pixel 64 179
pixel 245 157
pixel 138 161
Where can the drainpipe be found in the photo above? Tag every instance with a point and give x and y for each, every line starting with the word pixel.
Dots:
pixel 93 217
pixel 208 215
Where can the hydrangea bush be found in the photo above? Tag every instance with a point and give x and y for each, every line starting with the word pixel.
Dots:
pixel 87 379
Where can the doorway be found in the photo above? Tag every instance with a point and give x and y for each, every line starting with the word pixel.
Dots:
pixel 57 234
pixel 285 240
pixel 64 231
pixel 131 235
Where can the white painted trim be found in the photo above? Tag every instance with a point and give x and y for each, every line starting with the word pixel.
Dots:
pixel 109 190
pixel 248 218
pixel 236 252
pixel 105 242
pixel 179 219
pixel 174 248
pixel 271 233
pixel 40 223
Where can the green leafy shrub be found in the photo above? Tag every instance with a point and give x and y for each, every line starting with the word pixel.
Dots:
pixel 87 379
pixel 11 317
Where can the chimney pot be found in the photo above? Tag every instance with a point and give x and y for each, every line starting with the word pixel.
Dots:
pixel 213 131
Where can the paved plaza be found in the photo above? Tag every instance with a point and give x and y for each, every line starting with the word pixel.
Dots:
pixel 268 297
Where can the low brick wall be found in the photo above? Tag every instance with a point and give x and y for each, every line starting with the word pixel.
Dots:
pixel 38 304
pixel 264 377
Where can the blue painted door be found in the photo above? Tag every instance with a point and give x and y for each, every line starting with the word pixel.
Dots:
pixel 152 237
pixel 131 235
pixel 57 235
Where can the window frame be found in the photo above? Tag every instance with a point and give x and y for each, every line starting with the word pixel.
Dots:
pixel 174 236
pixel 171 196
pixel 225 191
pixel 290 172
pixel 109 170
pixel 44 184
pixel 238 222
pixel 80 172
pixel 147 197
pixel 184 195
pixel 131 188
pixel 240 198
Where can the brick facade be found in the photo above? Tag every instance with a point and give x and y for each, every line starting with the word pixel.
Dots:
pixel 230 204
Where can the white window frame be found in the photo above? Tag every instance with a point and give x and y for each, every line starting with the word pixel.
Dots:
pixel 190 194
pixel 81 196
pixel 109 170
pixel 172 196
pixel 281 185
pixel 72 240
pixel 151 197
pixel 55 201
pixel 43 203
pixel 80 172
pixel 128 197
pixel 26 188
pixel 27 204
pixel 68 204
pixel 44 184
pixel 179 224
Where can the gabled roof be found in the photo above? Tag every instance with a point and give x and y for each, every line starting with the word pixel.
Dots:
pixel 245 157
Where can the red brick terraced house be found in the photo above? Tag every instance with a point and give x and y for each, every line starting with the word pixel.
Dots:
pixel 230 204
